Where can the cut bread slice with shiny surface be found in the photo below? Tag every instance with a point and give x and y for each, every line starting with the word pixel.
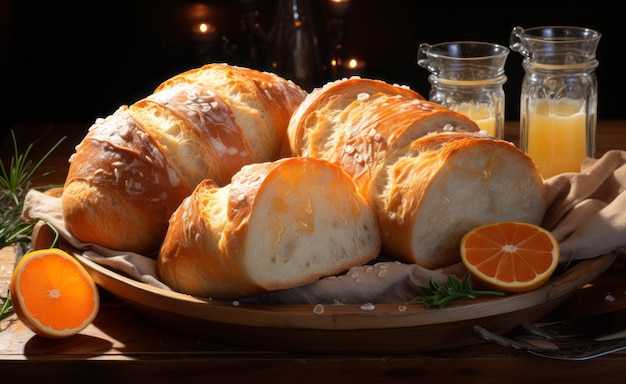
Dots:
pixel 278 225
pixel 447 184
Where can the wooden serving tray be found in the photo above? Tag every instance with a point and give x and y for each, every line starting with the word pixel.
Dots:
pixel 345 329
pixel 338 328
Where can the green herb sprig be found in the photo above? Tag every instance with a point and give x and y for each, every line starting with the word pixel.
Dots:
pixel 439 295
pixel 15 182
pixel 6 309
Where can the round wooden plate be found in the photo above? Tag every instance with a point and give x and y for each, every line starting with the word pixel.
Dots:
pixel 346 329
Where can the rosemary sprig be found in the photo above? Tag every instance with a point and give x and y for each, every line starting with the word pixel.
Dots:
pixel 6 309
pixel 439 295
pixel 14 184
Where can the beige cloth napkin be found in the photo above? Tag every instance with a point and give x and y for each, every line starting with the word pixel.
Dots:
pixel 586 212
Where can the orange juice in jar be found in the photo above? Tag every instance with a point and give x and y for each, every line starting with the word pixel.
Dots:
pixel 559 95
pixel 557 140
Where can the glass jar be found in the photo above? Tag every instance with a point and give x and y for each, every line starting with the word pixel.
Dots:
pixel 558 104
pixel 467 77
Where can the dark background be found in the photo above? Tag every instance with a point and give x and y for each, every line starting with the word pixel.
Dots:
pixel 74 61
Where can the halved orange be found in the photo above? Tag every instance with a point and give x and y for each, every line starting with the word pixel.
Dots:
pixel 510 256
pixel 52 294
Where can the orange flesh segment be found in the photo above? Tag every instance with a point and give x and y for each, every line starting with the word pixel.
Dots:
pixel 509 253
pixel 53 294
pixel 54 302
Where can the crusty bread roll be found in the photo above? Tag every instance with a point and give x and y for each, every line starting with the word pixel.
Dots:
pixel 427 172
pixel 448 184
pixel 278 225
pixel 133 169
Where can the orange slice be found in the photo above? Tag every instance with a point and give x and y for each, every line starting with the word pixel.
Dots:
pixel 510 256
pixel 52 294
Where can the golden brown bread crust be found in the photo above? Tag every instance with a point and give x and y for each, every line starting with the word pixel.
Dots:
pixel 210 128
pixel 278 225
pixel 120 187
pixel 405 154
pixel 325 105
pixel 362 125
pixel 262 99
pixel 132 169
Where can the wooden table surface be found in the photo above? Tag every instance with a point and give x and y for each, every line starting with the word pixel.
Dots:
pixel 123 346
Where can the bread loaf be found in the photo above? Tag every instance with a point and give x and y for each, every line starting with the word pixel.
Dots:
pixel 278 225
pixel 133 168
pixel 427 172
